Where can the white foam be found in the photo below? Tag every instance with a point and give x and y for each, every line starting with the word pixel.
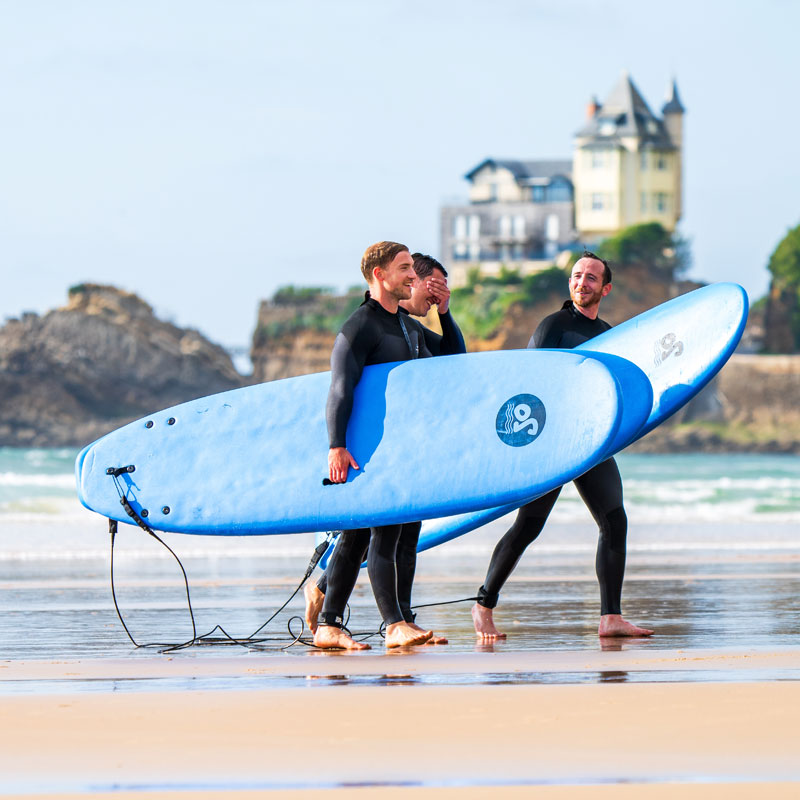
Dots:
pixel 57 481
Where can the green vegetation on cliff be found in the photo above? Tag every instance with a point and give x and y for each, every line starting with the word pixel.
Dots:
pixel 784 265
pixel 481 305
pixel 650 245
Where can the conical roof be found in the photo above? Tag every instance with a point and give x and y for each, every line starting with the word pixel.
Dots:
pixel 673 104
pixel 625 113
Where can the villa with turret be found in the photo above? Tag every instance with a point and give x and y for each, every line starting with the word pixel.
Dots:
pixel 626 169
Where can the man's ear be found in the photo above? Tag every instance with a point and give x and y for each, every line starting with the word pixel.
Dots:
pixel 378 274
pixel 606 289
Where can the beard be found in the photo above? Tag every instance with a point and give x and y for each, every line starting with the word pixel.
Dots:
pixel 402 292
pixel 586 299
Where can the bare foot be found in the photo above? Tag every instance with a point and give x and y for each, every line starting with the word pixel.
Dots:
pixel 434 639
pixel 400 634
pixel 614 625
pixel 314 600
pixel 484 624
pixel 329 637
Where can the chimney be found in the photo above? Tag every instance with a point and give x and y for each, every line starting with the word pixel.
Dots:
pixel 592 108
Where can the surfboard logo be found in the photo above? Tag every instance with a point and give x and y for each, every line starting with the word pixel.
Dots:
pixel 520 420
pixel 666 346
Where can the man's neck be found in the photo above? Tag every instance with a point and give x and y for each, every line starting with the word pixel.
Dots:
pixel 387 301
pixel 591 312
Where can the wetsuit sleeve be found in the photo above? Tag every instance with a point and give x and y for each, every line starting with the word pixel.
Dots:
pixel 450 342
pixel 350 351
pixel 547 334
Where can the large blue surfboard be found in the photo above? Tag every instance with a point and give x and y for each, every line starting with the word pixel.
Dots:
pixel 433 437
pixel 637 402
pixel 680 345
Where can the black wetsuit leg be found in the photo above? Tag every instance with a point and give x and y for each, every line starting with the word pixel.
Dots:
pixel 407 566
pixel 527 526
pixel 601 490
pixel 383 571
pixel 342 573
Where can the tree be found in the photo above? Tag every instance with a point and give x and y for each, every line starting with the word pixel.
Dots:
pixel 649 245
pixel 782 321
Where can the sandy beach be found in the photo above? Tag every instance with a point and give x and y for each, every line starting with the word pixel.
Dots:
pixel 723 739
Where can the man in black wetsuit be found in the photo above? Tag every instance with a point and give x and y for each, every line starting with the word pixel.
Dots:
pixel 600 487
pixel 379 331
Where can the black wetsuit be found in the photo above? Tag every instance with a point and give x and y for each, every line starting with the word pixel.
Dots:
pixel 600 488
pixel 373 335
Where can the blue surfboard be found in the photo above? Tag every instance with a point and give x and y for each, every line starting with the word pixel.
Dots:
pixel 637 401
pixel 433 437
pixel 680 345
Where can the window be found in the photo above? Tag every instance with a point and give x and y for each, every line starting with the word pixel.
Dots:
pixel 662 201
pixel 598 159
pixel 537 194
pixel 597 201
pixel 519 227
pixel 559 191
pixel 474 226
pixel 505 227
pixel 551 227
pixel 643 160
pixel 460 227
pixel 661 161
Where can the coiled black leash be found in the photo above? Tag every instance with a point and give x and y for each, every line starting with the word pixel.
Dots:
pixel 253 641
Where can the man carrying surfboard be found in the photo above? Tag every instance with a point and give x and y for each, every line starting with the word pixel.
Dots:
pixel 600 487
pixel 429 288
pixel 376 333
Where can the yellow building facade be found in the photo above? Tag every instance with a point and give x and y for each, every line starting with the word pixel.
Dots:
pixel 627 164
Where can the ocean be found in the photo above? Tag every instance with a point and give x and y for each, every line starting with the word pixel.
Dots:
pixel 713 560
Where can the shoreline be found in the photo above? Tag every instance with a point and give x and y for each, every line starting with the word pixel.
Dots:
pixel 616 656
pixel 424 741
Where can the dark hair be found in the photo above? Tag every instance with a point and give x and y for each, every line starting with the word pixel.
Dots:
pixel 606 268
pixel 380 254
pixel 425 265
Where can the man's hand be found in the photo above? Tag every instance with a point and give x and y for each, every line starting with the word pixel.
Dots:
pixel 339 461
pixel 441 293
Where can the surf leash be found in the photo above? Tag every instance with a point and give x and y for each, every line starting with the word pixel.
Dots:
pixel 253 641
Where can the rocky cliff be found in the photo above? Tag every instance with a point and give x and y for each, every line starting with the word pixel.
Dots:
pixel 750 407
pixel 295 331
pixel 102 360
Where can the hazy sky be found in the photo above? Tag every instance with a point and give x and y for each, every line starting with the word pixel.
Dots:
pixel 204 152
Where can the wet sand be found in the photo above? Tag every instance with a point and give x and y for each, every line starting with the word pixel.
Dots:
pixel 426 741
pixel 706 708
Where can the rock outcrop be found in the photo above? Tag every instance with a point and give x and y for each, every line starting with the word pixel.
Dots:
pixel 750 407
pixel 295 331
pixel 100 361
pixel 104 359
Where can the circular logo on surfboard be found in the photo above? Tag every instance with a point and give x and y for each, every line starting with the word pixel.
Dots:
pixel 520 420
